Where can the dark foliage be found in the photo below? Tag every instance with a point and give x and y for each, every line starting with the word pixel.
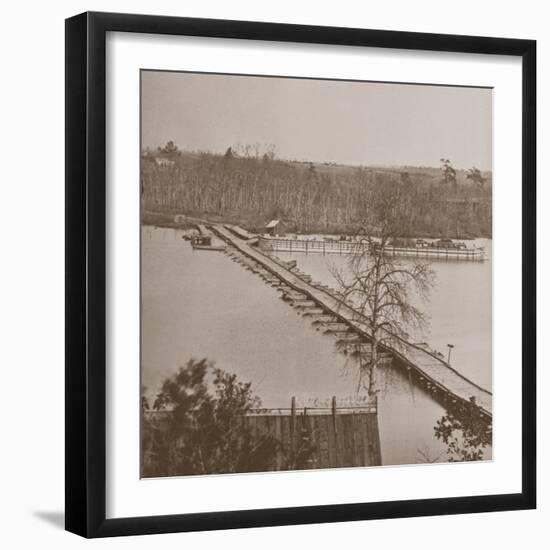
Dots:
pixel 197 426
pixel 466 433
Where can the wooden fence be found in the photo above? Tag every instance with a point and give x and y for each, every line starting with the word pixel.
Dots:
pixel 312 437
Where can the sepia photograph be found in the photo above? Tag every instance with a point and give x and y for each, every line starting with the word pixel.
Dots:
pixel 316 274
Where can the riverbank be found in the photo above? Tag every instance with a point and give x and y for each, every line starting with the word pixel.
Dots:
pixel 254 225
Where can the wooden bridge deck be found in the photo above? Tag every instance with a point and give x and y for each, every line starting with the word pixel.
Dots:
pixel 435 370
pixel 240 232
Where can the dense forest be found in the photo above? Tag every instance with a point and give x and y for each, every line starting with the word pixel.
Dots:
pixel 309 197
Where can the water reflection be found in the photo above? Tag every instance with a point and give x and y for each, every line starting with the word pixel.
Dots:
pixel 459 308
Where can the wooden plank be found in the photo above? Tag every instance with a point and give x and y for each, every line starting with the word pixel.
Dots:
pixel 252 427
pixel 373 436
pixel 348 438
pixel 323 422
pixel 356 429
pixel 331 443
pixel 322 318
pixel 343 437
pixel 338 325
pixel 308 438
pixel 315 439
pixel 360 434
pixel 292 426
pixel 271 426
pixel 352 440
pixel 262 428
pixel 285 441
pixel 310 312
pixel 339 442
pixel 364 441
pixel 277 421
pixel 304 304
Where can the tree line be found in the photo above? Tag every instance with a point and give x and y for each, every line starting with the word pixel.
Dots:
pixel 252 188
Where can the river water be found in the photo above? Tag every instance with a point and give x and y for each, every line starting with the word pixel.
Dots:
pixel 199 304
pixel 459 307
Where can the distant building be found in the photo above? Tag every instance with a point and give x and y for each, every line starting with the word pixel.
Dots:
pixel 274 228
pixel 161 161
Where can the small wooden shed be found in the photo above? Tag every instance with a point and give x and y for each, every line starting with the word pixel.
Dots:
pixel 274 228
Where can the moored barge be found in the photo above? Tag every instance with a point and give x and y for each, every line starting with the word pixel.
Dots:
pixel 442 249
pixel 314 245
pixel 204 242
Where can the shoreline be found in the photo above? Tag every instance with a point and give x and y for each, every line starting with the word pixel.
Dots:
pixel 166 219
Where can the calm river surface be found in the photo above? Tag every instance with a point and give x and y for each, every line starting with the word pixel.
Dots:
pixel 201 304
pixel 459 307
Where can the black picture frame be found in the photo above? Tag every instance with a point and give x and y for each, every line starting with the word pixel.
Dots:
pixel 86 274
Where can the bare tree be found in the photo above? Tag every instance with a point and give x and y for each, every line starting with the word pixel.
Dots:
pixel 256 148
pixel 449 173
pixel 377 286
pixel 270 150
pixel 474 175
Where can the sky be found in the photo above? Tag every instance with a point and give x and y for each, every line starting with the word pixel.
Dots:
pixel 367 123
